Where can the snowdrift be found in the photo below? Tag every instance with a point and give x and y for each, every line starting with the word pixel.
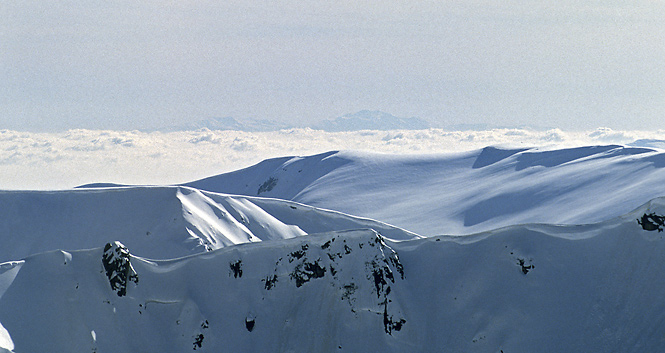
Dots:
pixel 461 193
pixel 544 288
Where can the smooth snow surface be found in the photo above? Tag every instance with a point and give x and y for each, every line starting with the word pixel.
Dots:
pixel 462 193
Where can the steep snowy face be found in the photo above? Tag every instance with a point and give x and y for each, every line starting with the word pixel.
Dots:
pixel 227 221
pixel 158 222
pixel 282 295
pixel 462 193
pixel 591 288
pixel 219 220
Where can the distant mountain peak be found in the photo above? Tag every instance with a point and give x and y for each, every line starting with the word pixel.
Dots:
pixel 361 120
pixel 368 115
pixel 372 120
pixel 230 123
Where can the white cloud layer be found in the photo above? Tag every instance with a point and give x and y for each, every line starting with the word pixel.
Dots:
pixel 64 160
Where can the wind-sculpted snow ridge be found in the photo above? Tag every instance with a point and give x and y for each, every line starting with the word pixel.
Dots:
pixel 462 193
pixel 525 288
pixel 158 222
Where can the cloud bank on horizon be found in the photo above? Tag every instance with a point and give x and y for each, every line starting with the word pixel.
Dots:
pixel 67 159
pixel 133 65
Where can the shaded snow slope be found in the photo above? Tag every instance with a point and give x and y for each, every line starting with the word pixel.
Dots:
pixel 529 288
pixel 157 222
pixel 461 193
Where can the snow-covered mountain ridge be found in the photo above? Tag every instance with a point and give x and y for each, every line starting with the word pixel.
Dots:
pixel 177 269
pixel 158 222
pixel 520 288
pixel 465 192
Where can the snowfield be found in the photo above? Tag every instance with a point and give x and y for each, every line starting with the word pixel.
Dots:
pixel 462 193
pixel 495 250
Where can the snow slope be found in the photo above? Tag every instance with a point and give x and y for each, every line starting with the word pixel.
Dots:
pixel 158 222
pixel 461 193
pixel 525 288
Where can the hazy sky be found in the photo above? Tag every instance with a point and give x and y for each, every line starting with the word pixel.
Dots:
pixel 141 64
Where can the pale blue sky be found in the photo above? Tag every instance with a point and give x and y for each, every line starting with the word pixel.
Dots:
pixel 129 65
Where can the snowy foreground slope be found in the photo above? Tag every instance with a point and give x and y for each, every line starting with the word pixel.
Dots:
pixel 461 193
pixel 158 222
pixel 525 288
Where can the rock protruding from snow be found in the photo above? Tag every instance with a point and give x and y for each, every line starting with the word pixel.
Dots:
pixel 652 222
pixel 338 261
pixel 119 270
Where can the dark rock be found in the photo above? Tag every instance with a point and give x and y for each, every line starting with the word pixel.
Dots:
pixel 236 268
pixel 389 324
pixel 394 260
pixel 198 340
pixel 119 270
pixel 349 290
pixel 249 324
pixel 268 185
pixel 270 282
pixel 382 268
pixel 333 271
pixel 379 279
pixel 652 222
pixel 305 271
pixel 297 255
pixel 525 268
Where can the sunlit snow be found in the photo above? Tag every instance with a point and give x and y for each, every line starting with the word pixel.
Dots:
pixel 492 249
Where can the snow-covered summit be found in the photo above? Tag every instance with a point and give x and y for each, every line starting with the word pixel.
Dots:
pixel 465 192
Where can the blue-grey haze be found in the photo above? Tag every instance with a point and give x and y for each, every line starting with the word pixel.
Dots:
pixel 149 64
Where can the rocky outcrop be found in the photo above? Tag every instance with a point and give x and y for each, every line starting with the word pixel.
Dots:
pixel 118 267
pixel 652 222
pixel 338 260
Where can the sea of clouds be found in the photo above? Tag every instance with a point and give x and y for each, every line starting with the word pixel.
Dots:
pixel 44 161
